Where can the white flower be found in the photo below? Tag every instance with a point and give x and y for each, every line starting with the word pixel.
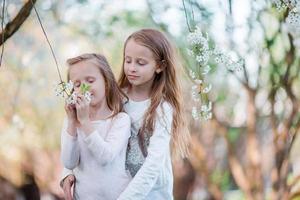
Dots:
pixel 72 99
pixel 190 52
pixel 195 113
pixel 207 116
pixel 206 70
pixel 291 3
pixel 59 90
pixel 207 89
pixel 66 91
pixel 198 81
pixel 221 58
pixel 196 38
pixel 279 4
pixel 206 108
pixel 293 22
pixel 70 86
pixel 194 87
pixel 195 93
pixel 87 96
pixel 203 57
pixel 199 46
pixel 192 74
pixel 236 66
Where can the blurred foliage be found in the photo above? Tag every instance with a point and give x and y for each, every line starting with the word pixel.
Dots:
pixel 31 116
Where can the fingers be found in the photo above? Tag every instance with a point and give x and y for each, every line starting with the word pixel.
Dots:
pixel 81 102
pixel 68 194
pixel 72 179
pixel 69 108
pixel 67 187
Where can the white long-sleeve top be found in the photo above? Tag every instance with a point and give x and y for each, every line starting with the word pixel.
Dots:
pixel 98 160
pixel 154 179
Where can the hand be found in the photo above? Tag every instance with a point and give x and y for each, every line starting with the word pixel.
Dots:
pixel 71 113
pixel 68 183
pixel 82 109
pixel 72 119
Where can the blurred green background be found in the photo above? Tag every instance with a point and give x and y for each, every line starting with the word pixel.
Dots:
pixel 249 150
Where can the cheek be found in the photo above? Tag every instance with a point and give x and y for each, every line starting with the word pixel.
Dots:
pixel 125 68
pixel 150 70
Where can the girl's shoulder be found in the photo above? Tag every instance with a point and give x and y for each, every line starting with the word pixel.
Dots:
pixel 121 116
pixel 164 108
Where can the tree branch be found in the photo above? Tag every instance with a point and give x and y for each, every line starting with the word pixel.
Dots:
pixel 15 24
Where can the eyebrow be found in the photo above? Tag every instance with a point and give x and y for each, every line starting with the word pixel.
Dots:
pixel 88 77
pixel 138 58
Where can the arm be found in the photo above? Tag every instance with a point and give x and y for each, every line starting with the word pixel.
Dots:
pixel 158 151
pixel 105 150
pixel 69 146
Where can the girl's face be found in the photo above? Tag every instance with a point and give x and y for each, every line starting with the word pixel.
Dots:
pixel 139 64
pixel 88 73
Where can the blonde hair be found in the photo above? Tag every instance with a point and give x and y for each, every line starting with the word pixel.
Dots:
pixel 165 87
pixel 114 95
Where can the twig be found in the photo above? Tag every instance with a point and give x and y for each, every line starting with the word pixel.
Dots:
pixel 45 34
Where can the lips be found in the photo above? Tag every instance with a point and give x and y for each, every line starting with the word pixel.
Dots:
pixel 132 77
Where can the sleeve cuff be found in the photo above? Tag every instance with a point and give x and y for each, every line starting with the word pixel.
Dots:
pixel 70 137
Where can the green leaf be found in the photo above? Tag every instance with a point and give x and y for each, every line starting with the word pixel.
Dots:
pixel 84 88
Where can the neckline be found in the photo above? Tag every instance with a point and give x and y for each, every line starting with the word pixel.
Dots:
pixel 142 101
pixel 99 121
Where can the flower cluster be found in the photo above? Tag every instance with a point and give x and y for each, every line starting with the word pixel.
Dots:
pixel 283 4
pixel 199 46
pixel 66 91
pixel 292 21
pixel 200 50
pixel 226 60
pixel 204 111
pixel 280 5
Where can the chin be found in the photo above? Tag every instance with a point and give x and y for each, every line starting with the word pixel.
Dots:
pixel 135 83
pixel 95 103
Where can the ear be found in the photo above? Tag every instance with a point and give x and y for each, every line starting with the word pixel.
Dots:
pixel 158 70
pixel 161 67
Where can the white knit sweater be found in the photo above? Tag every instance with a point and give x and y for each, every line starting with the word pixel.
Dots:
pixel 154 180
pixel 98 160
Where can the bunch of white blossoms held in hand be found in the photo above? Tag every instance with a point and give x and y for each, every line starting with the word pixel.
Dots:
pixel 66 91
pixel 200 50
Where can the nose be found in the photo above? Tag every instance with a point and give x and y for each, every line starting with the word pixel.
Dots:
pixel 132 67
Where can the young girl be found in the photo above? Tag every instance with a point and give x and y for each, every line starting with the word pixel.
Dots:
pixel 156 112
pixel 95 134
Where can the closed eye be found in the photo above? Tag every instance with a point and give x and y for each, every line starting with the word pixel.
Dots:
pixel 141 62
pixel 128 61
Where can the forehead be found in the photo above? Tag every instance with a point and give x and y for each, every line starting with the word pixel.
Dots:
pixel 135 49
pixel 83 69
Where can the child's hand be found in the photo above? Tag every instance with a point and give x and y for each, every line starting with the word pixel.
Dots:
pixel 68 183
pixel 82 109
pixel 71 113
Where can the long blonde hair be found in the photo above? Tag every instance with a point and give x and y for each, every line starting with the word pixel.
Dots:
pixel 114 95
pixel 165 87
